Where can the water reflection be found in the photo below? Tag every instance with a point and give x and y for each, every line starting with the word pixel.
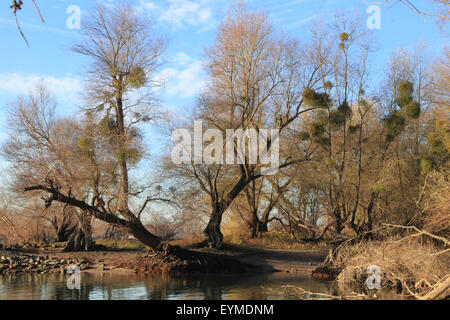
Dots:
pixel 110 286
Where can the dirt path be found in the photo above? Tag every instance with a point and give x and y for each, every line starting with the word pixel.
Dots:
pixel 294 261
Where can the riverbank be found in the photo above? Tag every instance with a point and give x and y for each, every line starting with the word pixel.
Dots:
pixel 279 260
pixel 233 259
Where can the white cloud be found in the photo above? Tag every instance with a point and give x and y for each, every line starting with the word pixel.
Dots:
pixel 147 5
pixel 184 78
pixel 64 89
pixel 180 13
pixel 180 58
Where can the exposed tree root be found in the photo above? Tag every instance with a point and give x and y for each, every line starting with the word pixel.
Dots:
pixel 175 260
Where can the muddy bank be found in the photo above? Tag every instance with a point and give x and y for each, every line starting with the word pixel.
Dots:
pixel 174 261
pixel 232 259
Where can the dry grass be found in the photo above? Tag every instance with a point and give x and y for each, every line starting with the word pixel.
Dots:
pixel 436 202
pixel 270 240
pixel 273 240
pixel 409 265
pixel 187 242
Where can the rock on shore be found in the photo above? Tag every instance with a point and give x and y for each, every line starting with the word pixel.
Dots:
pixel 10 264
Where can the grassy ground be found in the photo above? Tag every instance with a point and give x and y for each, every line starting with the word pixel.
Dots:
pixel 271 240
pixel 120 244
pixel 274 240
pixel 105 243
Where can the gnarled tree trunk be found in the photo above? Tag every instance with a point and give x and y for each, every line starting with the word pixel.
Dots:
pixel 63 233
pixel 258 227
pixel 137 229
pixel 79 241
pixel 214 236
pixel 81 237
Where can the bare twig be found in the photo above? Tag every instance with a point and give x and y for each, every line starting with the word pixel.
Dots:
pixel 17 5
pixel 410 6
pixel 38 11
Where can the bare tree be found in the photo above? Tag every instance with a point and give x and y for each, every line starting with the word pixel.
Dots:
pixel 166 229
pixel 256 80
pixel 62 218
pixel 258 201
pixel 124 57
pixel 41 147
pixel 8 228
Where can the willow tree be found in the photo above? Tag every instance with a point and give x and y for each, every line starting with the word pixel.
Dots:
pixel 256 76
pixel 118 85
pixel 42 146
pixel 257 203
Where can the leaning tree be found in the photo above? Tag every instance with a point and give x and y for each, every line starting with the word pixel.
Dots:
pixel 124 57
pixel 46 147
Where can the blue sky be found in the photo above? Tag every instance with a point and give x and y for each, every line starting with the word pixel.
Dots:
pixel 190 25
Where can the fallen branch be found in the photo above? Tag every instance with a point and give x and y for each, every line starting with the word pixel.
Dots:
pixel 302 292
pixel 439 289
pixel 419 233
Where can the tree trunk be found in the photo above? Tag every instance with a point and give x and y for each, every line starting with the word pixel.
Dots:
pixel 369 226
pixel 214 236
pixel 263 228
pixel 132 224
pixel 61 235
pixel 63 232
pixel 254 224
pixel 137 229
pixel 63 224
pixel 338 222
pixel 81 238
pixel 79 241
pixel 258 228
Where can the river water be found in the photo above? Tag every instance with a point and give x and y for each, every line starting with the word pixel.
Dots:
pixel 118 286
